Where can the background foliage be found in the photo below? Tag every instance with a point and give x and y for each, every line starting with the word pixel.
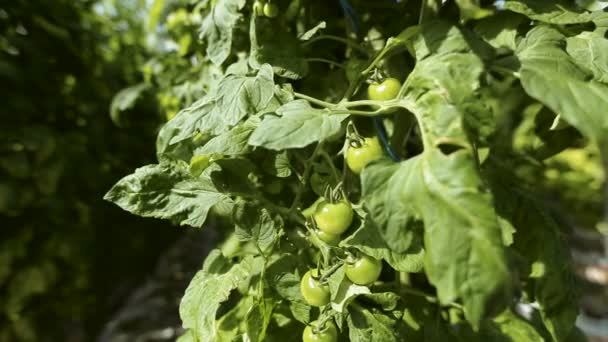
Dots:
pixel 67 259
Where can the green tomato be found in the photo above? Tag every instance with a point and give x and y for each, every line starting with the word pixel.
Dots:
pixel 327 333
pixel 271 10
pixel 258 8
pixel 384 91
pixel 315 293
pixel 364 270
pixel 334 218
pixel 358 157
pixel 328 238
pixel 199 163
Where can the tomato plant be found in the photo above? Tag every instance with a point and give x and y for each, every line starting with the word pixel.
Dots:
pixel 455 219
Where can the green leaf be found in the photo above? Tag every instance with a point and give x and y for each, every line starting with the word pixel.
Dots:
pixel 398 242
pixel 471 9
pixel 552 274
pixel 206 292
pixel 513 328
pixel 232 142
pixel 218 26
pixel 259 226
pixel 550 11
pixel 343 291
pixel 500 30
pixel 258 319
pixel 365 324
pixel 230 324
pixel 297 125
pixel 464 257
pixel 235 98
pixel 125 100
pixel 278 48
pixel 310 33
pixel 590 52
pixel 464 254
pixel 549 75
pixel 283 275
pixel 167 191
pixel 277 164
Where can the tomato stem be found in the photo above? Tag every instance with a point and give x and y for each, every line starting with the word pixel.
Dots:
pixel 304 180
pixel 346 41
pixel 327 61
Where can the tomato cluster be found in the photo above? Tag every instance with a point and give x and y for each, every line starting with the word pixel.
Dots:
pixel 268 9
pixel 334 217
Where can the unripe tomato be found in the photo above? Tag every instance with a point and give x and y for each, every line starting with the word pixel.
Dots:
pixel 384 91
pixel 271 10
pixel 334 218
pixel 330 239
pixel 364 271
pixel 315 293
pixel 358 157
pixel 327 333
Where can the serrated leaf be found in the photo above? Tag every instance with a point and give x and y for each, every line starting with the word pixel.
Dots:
pixel 258 226
pixel 258 319
pixel 549 75
pixel 232 142
pixel 464 257
pixel 239 96
pixel 217 28
pixel 552 272
pixel 297 125
pixel 167 191
pixel 228 325
pixel 235 98
pixel 500 30
pixel 549 11
pixel 464 254
pixel 206 292
pixel 343 291
pixel 590 52
pixel 277 165
pixel 277 48
pixel 372 325
pixel 398 243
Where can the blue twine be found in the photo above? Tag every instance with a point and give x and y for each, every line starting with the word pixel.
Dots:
pixel 353 18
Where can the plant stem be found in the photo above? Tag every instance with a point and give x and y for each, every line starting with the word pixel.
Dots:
pixel 331 165
pixel 327 61
pixel 329 272
pixel 430 298
pixel 314 100
pixel 346 41
pixel 307 169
